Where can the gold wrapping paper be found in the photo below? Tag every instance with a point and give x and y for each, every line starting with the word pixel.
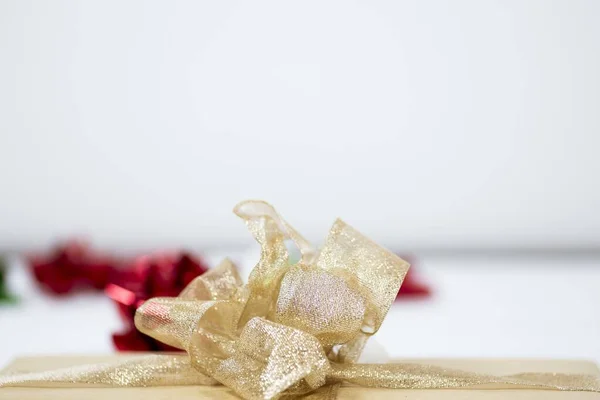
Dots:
pixel 345 392
pixel 292 330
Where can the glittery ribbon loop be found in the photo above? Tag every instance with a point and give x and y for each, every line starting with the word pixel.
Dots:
pixel 291 330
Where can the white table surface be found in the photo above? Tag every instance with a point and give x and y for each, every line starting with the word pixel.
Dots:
pixel 482 307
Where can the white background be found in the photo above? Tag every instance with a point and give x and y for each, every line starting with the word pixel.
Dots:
pixel 425 124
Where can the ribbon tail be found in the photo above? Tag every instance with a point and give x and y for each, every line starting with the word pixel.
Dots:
pixel 135 371
pixel 418 376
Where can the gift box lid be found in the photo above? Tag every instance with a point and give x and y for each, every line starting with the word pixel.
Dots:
pixel 486 366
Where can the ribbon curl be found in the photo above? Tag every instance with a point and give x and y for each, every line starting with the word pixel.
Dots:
pixel 292 330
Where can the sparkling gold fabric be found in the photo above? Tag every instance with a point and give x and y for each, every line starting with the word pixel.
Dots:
pixel 292 330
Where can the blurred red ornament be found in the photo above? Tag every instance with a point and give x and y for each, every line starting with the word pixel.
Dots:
pixel 161 274
pixel 76 266
pixel 412 287
pixel 72 266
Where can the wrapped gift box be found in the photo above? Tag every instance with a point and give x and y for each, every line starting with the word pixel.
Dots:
pixel 496 367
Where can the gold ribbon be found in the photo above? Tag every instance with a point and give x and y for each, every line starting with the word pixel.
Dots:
pixel 292 330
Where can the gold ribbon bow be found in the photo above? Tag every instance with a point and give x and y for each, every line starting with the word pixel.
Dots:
pixel 291 330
